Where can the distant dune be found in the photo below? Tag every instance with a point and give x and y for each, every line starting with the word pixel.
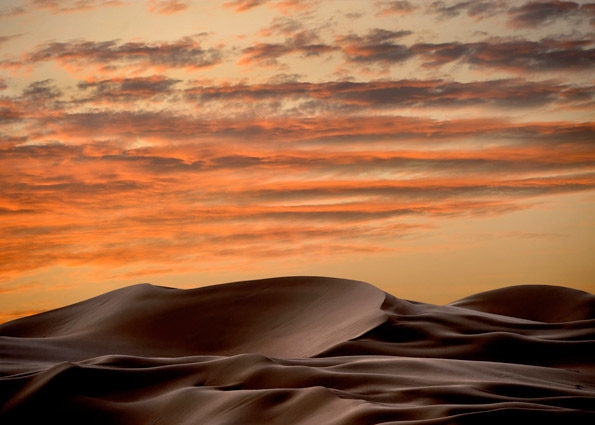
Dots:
pixel 302 350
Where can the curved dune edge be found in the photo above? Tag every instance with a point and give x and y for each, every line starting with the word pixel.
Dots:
pixel 541 303
pixel 282 317
pixel 302 350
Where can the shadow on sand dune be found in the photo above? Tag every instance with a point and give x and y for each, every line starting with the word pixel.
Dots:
pixel 302 350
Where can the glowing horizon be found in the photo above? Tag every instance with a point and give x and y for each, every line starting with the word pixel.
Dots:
pixel 431 148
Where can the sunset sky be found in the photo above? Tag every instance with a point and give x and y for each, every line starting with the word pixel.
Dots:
pixel 432 148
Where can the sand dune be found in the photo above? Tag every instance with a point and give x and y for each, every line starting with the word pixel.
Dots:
pixel 302 350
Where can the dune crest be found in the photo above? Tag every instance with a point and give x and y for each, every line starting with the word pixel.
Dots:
pixel 541 303
pixel 284 317
pixel 302 350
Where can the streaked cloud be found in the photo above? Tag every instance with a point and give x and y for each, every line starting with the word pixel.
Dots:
pixel 396 7
pixel 536 13
pixel 510 93
pixel 19 287
pixel 7 38
pixel 515 56
pixel 244 5
pixel 304 43
pixel 474 9
pixel 61 6
pixel 377 46
pixel 41 91
pixel 167 7
pixel 126 89
pixel 111 56
pixel 285 6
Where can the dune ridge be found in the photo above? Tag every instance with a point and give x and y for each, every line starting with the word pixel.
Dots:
pixel 302 350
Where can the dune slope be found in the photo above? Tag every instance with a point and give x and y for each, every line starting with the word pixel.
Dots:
pixel 302 350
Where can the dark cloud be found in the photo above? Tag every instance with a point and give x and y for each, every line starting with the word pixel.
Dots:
pixel 528 15
pixel 535 13
pixel 282 26
pixel 403 93
pixel 171 127
pixel 128 89
pixel 376 46
pixel 9 113
pixel 41 91
pixel 397 7
pixel 378 35
pixel 283 78
pixel 305 43
pixel 183 53
pixel 476 8
pixel 518 56
pixel 7 38
pixel 544 55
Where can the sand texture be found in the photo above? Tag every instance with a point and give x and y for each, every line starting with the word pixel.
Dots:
pixel 302 350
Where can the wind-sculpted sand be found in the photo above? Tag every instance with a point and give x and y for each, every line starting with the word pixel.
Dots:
pixel 302 350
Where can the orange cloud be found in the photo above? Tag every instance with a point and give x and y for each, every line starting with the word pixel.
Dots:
pixel 203 205
pixel 285 6
pixel 244 5
pixel 19 287
pixel 167 7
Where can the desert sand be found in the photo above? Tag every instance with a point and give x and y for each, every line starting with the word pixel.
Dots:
pixel 302 350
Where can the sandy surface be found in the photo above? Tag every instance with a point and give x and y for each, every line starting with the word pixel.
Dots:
pixel 302 350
